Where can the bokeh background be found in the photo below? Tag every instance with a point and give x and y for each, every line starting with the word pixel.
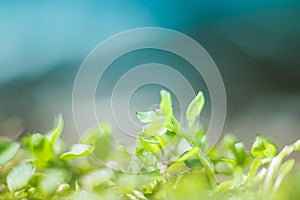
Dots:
pixel 255 44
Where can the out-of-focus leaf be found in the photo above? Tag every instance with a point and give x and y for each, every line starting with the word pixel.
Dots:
pixel 8 150
pixel 187 154
pixel 77 151
pixel 173 125
pixel 195 108
pixel 199 137
pixel 165 138
pixel 147 157
pixel 55 133
pixel 20 176
pixel 179 165
pixel 188 183
pixel 166 104
pixel 146 117
pixel 235 148
pixel 100 137
pixel 176 168
pixel 150 186
pixel 222 187
pixel 263 148
pixel 51 180
pixel 150 143
pixel 155 127
pixel 97 178
pixel 139 195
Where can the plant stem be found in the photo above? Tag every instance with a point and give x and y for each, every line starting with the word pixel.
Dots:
pixel 209 168
pixel 276 163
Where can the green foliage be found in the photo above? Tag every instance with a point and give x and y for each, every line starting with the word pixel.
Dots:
pixel 77 151
pixel 8 150
pixel 263 148
pixel 195 108
pixel 158 169
pixel 20 176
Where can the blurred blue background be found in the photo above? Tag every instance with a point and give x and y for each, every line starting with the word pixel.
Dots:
pixel 255 44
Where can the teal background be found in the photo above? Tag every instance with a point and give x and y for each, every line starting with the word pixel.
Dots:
pixel 255 45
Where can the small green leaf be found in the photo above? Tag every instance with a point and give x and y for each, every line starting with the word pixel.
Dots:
pixel 146 117
pixel 154 128
pixel 195 108
pixel 187 154
pixel 199 138
pixel 147 157
pixel 55 133
pixel 234 148
pixel 166 104
pixel 165 138
pixel 77 151
pixel 8 150
pixel 51 180
pixel 100 137
pixel 176 168
pixel 20 176
pixel 263 148
pixel 173 125
pixel 151 143
pixel 240 152
pixel 41 147
pixel 98 177
pixel 193 163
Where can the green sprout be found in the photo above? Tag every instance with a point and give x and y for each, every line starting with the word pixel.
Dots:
pixel 42 167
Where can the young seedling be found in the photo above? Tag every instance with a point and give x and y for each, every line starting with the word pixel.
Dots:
pixel 40 167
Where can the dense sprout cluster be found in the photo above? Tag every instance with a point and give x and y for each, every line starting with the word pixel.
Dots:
pixel 39 167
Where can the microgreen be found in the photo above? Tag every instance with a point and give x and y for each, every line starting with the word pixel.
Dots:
pixel 42 167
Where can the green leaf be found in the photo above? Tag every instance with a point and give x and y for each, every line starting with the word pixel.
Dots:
pixel 240 152
pixel 8 150
pixel 100 137
pixel 166 104
pixel 151 143
pixel 234 148
pixel 97 178
pixel 147 157
pixel 146 117
pixel 51 180
pixel 41 147
pixel 263 148
pixel 193 163
pixel 77 151
pixel 173 125
pixel 20 176
pixel 188 183
pixel 195 108
pixel 199 138
pixel 187 154
pixel 154 128
pixel 165 138
pixel 55 133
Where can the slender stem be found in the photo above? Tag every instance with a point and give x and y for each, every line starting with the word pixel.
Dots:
pixel 276 163
pixel 209 168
